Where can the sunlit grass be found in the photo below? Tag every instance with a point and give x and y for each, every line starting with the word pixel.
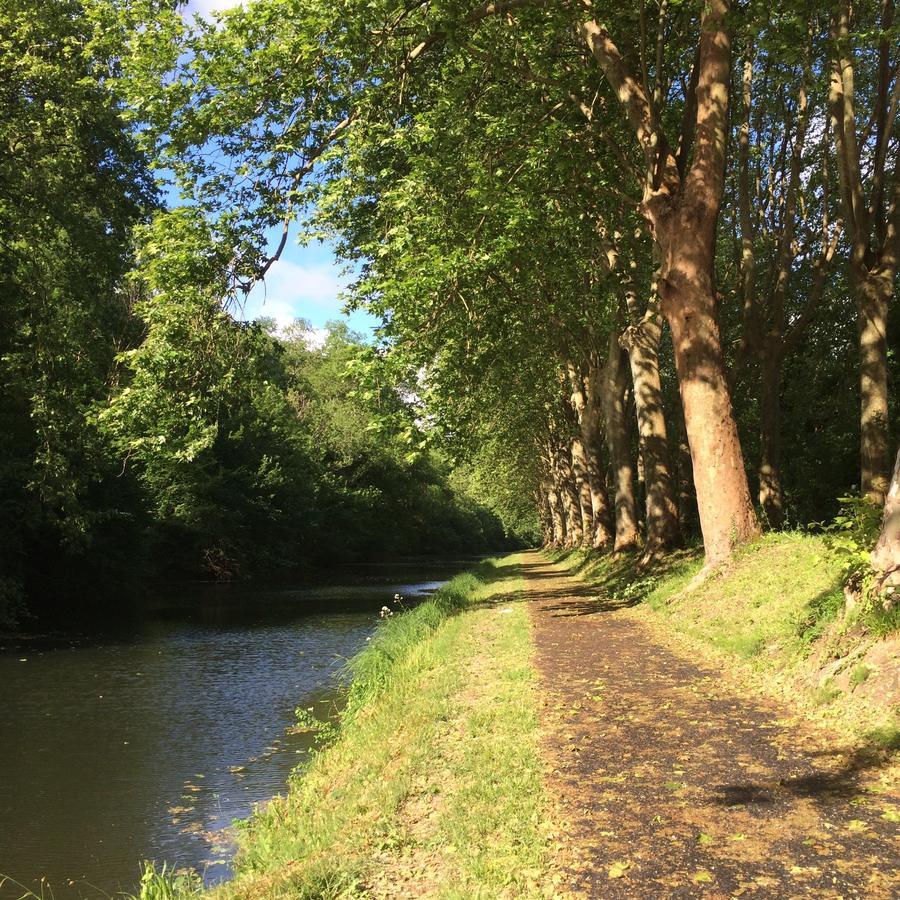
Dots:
pixel 434 776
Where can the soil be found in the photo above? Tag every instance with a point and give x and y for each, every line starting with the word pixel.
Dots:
pixel 672 779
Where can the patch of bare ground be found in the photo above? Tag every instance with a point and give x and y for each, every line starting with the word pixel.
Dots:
pixel 678 781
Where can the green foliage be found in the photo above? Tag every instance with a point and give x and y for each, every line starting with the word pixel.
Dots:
pixel 164 883
pixel 305 721
pixel 821 610
pixel 852 534
pixel 236 433
pixel 859 674
pixel 826 693
pixel 880 621
pixel 850 539
pixel 886 736
pixel 72 186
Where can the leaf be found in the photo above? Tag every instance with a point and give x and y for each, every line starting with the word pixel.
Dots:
pixel 702 876
pixel 618 869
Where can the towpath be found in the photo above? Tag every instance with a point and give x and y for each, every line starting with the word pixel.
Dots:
pixel 673 781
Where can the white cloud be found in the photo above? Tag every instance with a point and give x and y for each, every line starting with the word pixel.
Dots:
pixel 293 291
pixel 206 7
pixel 316 337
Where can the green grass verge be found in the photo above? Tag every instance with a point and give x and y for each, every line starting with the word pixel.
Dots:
pixel 433 781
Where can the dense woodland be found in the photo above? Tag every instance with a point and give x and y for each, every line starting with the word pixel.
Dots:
pixel 636 270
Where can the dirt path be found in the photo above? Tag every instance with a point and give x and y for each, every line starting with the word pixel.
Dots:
pixel 672 782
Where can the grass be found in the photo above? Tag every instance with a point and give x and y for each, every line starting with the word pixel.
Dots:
pixel 433 780
pixel 775 597
pixel 859 674
pixel 776 609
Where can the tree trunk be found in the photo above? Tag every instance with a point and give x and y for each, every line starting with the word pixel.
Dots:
pixel 723 493
pixel 603 534
pixel 587 407
pixel 574 533
pixel 681 208
pixel 545 515
pixel 873 227
pixel 556 515
pixel 886 555
pixel 687 498
pixel 873 293
pixel 771 497
pixel 642 342
pixel 583 486
pixel 615 390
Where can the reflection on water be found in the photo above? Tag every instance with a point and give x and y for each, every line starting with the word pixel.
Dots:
pixel 147 745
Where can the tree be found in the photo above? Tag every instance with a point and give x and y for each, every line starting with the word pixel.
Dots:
pixel 870 192
pixel 72 186
pixel 680 203
pixel 785 234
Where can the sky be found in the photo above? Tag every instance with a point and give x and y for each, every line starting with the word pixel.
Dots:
pixel 306 282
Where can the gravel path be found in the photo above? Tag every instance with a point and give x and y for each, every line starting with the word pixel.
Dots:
pixel 673 782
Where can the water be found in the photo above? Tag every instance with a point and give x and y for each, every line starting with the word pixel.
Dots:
pixel 147 744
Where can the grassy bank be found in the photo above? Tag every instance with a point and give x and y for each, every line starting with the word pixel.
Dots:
pixel 432 782
pixel 776 613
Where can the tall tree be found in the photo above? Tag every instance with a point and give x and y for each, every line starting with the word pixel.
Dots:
pixel 785 232
pixel 868 154
pixel 680 203
pixel 72 186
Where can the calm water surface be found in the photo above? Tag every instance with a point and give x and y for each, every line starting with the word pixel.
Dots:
pixel 147 744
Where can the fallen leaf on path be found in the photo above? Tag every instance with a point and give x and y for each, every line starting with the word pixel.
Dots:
pixel 618 869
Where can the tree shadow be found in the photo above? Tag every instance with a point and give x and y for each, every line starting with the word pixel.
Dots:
pixel 611 581
pixel 844 783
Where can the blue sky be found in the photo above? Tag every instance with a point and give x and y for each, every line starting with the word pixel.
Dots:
pixel 306 282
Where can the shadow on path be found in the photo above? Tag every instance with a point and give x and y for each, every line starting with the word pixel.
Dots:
pixel 675 782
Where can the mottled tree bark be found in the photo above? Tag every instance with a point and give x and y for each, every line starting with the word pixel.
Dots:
pixel 557 516
pixel 586 402
pixel 723 494
pixel 615 391
pixel 569 495
pixel 583 486
pixel 873 291
pixel 642 342
pixel 545 517
pixel 681 208
pixel 886 555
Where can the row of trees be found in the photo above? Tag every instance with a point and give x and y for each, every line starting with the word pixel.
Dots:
pixel 143 429
pixel 630 262
pixel 561 208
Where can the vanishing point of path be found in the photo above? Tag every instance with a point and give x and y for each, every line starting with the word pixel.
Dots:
pixel 672 781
